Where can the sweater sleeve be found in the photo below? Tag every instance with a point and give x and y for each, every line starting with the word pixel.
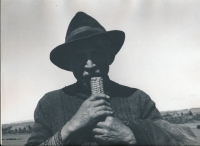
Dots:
pixel 151 129
pixel 42 133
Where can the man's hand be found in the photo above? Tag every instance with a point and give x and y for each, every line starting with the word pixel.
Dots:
pixel 113 131
pixel 94 107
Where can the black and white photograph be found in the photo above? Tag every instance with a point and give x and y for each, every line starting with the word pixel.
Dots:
pixel 100 72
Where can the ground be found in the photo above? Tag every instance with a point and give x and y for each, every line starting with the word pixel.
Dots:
pixel 21 139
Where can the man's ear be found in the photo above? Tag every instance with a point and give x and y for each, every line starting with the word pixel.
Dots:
pixel 111 58
pixel 111 54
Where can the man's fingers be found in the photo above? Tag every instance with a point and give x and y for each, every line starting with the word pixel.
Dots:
pixel 100 125
pixel 99 96
pixel 98 131
pixel 103 108
pixel 100 102
pixel 103 113
pixel 102 139
pixel 98 137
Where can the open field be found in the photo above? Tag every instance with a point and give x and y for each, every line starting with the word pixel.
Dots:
pixel 22 138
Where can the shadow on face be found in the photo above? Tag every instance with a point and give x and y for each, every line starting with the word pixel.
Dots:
pixel 89 60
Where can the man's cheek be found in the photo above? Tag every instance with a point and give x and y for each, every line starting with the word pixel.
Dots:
pixel 78 71
pixel 103 67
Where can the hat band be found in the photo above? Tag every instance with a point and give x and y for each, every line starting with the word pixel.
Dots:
pixel 83 29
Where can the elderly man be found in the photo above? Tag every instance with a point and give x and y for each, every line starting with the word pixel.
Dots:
pixel 122 115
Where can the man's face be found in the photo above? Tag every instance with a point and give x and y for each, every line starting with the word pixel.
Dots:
pixel 91 60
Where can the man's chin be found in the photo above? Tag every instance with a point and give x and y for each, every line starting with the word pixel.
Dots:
pixel 87 79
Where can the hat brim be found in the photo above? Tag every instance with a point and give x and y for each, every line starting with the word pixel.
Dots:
pixel 60 56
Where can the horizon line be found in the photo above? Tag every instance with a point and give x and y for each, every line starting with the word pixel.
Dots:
pixel 32 120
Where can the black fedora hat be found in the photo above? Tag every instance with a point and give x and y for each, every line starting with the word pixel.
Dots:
pixel 85 29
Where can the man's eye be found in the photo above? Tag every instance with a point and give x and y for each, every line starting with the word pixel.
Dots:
pixel 98 56
pixel 79 58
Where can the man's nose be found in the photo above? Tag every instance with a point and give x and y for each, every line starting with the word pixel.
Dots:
pixel 89 64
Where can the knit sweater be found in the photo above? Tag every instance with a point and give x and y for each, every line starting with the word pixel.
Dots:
pixel 132 106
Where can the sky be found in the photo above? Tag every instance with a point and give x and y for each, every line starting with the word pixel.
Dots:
pixel 160 55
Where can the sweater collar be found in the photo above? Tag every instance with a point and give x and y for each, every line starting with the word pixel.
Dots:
pixel 112 89
pixel 79 88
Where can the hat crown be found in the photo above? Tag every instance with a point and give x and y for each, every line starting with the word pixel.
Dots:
pixel 83 29
pixel 83 25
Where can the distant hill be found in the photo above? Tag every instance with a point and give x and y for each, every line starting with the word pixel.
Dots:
pixel 184 111
pixel 18 125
